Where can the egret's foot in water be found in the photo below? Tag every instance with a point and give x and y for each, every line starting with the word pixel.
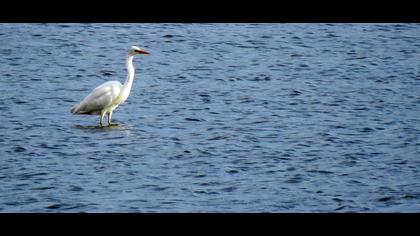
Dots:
pixel 112 124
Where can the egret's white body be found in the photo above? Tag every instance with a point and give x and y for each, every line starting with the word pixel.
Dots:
pixel 108 96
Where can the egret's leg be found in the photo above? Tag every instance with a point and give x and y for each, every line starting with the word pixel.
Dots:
pixel 102 118
pixel 109 119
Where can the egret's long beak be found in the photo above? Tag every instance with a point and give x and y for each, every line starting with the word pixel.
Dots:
pixel 142 52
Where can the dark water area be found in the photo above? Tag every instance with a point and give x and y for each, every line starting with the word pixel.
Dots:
pixel 221 118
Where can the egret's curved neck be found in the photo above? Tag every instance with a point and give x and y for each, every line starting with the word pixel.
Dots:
pixel 130 70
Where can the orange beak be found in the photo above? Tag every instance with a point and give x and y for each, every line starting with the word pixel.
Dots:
pixel 142 52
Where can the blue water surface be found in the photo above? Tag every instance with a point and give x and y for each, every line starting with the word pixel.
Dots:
pixel 221 118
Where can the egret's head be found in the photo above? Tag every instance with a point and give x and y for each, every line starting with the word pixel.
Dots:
pixel 136 50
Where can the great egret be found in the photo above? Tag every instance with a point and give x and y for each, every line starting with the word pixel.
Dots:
pixel 108 96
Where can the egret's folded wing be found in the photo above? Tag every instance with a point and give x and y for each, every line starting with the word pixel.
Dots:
pixel 101 97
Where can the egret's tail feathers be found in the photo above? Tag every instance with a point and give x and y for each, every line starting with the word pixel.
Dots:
pixel 80 109
pixel 75 109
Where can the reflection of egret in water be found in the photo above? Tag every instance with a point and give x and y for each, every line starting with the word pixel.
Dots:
pixel 126 129
pixel 107 97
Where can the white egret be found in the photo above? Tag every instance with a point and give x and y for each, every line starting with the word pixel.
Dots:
pixel 108 96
